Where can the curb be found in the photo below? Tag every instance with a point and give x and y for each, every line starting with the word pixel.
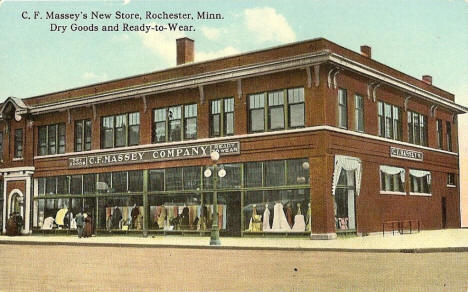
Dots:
pixel 228 247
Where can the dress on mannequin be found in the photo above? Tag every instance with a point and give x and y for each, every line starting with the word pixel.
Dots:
pixel 266 219
pixel 299 224
pixel 279 219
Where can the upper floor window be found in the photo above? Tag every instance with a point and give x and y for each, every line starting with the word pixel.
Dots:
pixel 51 139
pixel 420 181
pixel 451 179
pixel 284 110
pixel 1 145
pixel 222 117
pixel 342 108
pixel 18 150
pixel 175 122
pixel 392 179
pixel 83 135
pixel 417 128
pixel 440 138
pixel 359 113
pixel 389 121
pixel 449 136
pixel 120 130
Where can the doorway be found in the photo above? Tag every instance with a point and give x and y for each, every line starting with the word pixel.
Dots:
pixel 444 212
pixel 232 203
pixel 345 201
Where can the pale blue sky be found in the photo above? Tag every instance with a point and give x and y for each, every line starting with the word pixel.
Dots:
pixel 415 36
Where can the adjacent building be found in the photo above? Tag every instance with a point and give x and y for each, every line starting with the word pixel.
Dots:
pixel 314 139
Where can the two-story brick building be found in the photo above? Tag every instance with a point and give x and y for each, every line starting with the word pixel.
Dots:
pixel 315 139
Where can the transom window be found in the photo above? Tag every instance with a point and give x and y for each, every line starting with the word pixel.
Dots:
pixel 120 130
pixel 174 123
pixel 389 119
pixel 83 135
pixel 51 139
pixel 417 128
pixel 222 117
pixel 276 110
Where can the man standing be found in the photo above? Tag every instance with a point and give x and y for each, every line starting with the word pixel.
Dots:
pixel 79 224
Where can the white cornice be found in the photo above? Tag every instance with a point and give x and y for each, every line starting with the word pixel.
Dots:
pixel 238 137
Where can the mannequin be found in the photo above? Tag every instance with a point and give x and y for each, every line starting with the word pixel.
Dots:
pixel 299 224
pixel 135 213
pixel 289 215
pixel 116 217
pixel 309 219
pixel 280 223
pixel 266 219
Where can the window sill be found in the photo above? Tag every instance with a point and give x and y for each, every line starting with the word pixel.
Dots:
pixel 392 193
pixel 421 194
pixel 451 186
pixel 18 159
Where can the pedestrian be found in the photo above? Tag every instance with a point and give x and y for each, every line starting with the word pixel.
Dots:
pixel 88 228
pixel 79 224
pixel 19 223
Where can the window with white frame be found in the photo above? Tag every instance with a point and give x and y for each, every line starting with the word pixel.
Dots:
pixel 417 128
pixel 420 181
pixel 451 180
pixel 359 113
pixel 392 179
pixel 342 108
pixel 389 120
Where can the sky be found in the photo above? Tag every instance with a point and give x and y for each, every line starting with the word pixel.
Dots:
pixel 417 37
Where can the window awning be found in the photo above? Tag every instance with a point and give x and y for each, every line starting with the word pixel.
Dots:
pixel 391 170
pixel 421 173
pixel 347 163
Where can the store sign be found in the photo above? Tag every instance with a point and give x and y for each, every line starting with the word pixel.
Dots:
pixel 154 154
pixel 406 154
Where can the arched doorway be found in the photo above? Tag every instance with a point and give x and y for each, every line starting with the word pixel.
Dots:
pixel 16 205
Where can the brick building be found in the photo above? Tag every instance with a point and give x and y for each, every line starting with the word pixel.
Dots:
pixel 315 139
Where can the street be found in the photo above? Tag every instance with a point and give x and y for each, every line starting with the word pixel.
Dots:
pixel 84 268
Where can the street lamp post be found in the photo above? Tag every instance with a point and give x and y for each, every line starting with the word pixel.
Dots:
pixel 214 238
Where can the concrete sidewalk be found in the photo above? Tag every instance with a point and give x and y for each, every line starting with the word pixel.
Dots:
pixel 449 240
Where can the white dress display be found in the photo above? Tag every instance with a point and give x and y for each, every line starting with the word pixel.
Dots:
pixel 266 219
pixel 299 222
pixel 280 223
pixel 48 223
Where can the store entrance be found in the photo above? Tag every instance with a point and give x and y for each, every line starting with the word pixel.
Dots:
pixel 344 205
pixel 232 221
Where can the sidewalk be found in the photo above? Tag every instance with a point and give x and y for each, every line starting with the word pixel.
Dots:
pixel 449 240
